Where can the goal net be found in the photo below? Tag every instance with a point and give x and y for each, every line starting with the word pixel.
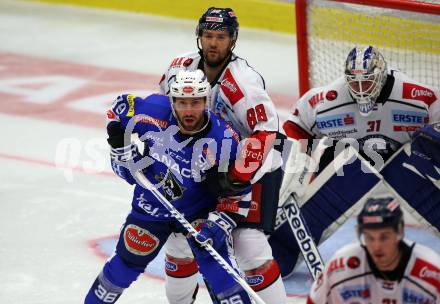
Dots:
pixel 406 32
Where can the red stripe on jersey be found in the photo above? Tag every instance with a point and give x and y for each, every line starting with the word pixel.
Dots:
pixel 252 155
pixel 294 131
pixel 263 276
pixel 413 91
pixel 180 268
pixel 254 213
pixel 230 88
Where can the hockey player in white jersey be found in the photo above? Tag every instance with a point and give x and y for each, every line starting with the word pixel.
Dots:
pixel 382 267
pixel 377 110
pixel 239 97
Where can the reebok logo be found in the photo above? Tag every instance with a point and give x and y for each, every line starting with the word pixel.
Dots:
pixel 305 241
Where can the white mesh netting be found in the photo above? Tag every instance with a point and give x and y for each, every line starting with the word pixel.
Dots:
pixel 409 41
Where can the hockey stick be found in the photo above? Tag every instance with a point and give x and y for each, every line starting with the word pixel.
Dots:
pixel 291 210
pixel 144 182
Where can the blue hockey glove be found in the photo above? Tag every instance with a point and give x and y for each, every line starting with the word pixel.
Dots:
pixel 216 230
pixel 425 151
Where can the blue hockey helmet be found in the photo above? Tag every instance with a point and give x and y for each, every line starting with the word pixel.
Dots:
pixel 219 19
pixel 365 75
pixel 380 213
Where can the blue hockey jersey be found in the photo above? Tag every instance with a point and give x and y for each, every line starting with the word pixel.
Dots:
pixel 177 162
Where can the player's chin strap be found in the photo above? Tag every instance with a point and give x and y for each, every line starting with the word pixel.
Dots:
pixel 288 195
pixel 144 182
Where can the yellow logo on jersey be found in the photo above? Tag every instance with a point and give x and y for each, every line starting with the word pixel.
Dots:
pixel 130 100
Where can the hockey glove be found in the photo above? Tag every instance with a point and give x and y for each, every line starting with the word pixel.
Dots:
pixel 119 153
pixel 425 151
pixel 115 134
pixel 216 230
pixel 221 184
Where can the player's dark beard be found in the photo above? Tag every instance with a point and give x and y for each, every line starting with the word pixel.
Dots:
pixel 216 63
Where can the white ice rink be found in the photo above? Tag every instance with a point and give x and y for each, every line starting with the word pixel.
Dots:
pixel 60 68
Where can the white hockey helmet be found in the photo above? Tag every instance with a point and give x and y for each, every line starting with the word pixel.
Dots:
pixel 190 84
pixel 365 75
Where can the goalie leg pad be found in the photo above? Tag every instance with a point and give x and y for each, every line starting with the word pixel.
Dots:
pixel 415 190
pixel 330 201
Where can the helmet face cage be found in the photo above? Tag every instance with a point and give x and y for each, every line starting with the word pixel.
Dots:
pixel 190 84
pixel 380 213
pixel 218 19
pixel 365 75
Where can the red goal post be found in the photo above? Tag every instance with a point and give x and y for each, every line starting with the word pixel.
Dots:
pixel 407 32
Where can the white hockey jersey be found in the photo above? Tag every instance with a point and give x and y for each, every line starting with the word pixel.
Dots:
pixel 348 278
pixel 402 107
pixel 238 95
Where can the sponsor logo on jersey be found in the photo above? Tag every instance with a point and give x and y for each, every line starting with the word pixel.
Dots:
pixel 355 291
pixel 335 266
pixel 227 204
pixel 427 272
pixel 331 95
pixel 130 100
pixel 409 117
pixel 416 92
pixel 171 187
pixel 235 135
pixel 388 285
pixel 410 296
pixel 170 266
pixel 343 120
pixel 254 280
pixel 177 62
pixel 139 241
pixel 230 88
pixel 146 119
pixel 187 62
pixel 317 98
pixel 353 262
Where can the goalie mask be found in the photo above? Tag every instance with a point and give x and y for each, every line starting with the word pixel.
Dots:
pixel 189 96
pixel 365 75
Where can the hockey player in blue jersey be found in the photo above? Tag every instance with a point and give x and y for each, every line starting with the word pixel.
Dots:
pixel 385 115
pixel 184 145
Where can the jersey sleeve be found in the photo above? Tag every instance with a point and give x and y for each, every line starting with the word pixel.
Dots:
pixel 255 114
pixel 302 118
pixel 434 108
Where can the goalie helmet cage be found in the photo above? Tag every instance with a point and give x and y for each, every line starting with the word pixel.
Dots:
pixel 406 32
